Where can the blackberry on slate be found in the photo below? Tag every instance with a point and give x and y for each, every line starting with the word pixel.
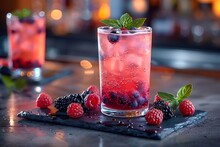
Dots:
pixel 167 111
pixel 76 98
pixel 85 93
pixel 61 103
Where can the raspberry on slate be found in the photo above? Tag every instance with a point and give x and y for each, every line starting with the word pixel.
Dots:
pixel 154 117
pixel 186 108
pixel 167 111
pixel 92 101
pixel 43 100
pixel 75 110
pixel 93 89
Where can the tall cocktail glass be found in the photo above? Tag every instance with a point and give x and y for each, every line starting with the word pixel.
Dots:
pixel 124 66
pixel 26 37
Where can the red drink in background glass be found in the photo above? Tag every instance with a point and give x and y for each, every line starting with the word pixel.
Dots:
pixel 124 61
pixel 26 39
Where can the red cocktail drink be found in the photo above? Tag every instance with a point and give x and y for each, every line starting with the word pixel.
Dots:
pixel 26 38
pixel 124 61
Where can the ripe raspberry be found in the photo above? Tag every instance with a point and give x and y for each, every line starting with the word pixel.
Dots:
pixel 43 100
pixel 186 108
pixel 92 101
pixel 154 117
pixel 75 110
pixel 93 89
pixel 157 98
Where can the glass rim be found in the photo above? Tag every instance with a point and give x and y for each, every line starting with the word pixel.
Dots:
pixel 9 15
pixel 142 29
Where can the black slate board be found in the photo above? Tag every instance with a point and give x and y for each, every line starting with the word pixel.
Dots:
pixel 127 126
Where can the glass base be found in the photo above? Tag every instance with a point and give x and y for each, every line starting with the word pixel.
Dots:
pixel 123 113
pixel 32 74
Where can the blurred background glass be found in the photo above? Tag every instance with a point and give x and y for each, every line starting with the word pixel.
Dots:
pixel 186 33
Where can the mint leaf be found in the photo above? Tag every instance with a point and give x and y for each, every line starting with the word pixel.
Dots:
pixel 166 97
pixel 125 20
pixel 174 104
pixel 8 82
pixel 111 22
pixel 184 92
pixel 22 13
pixel 19 84
pixel 138 22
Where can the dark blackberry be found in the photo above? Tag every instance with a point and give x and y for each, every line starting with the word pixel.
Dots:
pixel 40 30
pixel 13 31
pixel 61 103
pixel 122 100
pixel 113 95
pixel 167 111
pixel 85 93
pixel 4 70
pixel 28 20
pixel 76 98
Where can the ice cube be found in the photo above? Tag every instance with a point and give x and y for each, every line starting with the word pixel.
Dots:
pixel 116 65
pixel 119 49
pixel 26 45
pixel 105 48
pixel 31 30
pixel 133 61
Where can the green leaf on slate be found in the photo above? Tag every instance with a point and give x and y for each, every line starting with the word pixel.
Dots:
pixel 184 92
pixel 11 84
pixel 19 83
pixel 166 97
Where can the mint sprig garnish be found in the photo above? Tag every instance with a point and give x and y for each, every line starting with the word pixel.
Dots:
pixel 183 93
pixel 13 84
pixel 125 21
pixel 22 13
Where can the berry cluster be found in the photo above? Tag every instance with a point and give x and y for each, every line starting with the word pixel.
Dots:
pixel 18 63
pixel 123 100
pixel 167 108
pixel 74 104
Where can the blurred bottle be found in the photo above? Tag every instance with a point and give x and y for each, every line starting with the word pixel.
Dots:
pixel 203 21
pixel 184 18
pixel 165 22
pixel 215 30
